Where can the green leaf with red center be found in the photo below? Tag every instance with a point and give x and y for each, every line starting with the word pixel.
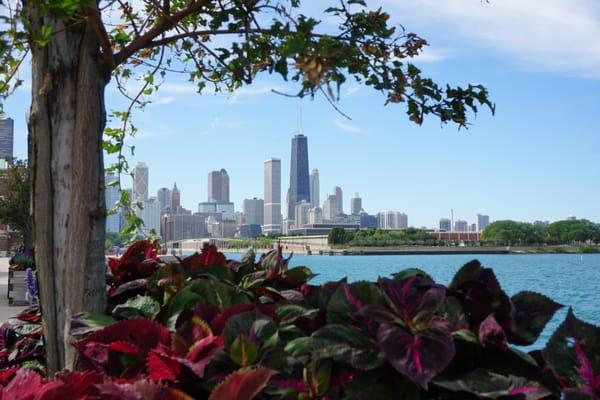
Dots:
pixel 244 384
pixel 573 354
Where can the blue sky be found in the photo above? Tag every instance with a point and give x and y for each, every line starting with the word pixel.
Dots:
pixel 538 158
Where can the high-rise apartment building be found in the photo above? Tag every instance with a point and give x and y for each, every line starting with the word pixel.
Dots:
pixel 314 188
pixel 254 211
pixel 461 226
pixel 299 181
pixel 164 198
pixel 111 196
pixel 355 204
pixel 391 220
pixel 272 213
pixel 7 133
pixel 175 199
pixel 218 186
pixel 140 183
pixel 445 225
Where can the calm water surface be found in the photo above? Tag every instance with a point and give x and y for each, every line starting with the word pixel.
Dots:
pixel 570 279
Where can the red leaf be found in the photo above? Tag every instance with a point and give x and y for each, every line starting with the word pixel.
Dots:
pixel 7 374
pixel 72 385
pixel 162 368
pixel 242 384
pixel 125 347
pixel 24 386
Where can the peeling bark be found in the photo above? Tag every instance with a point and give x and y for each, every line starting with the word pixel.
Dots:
pixel 66 122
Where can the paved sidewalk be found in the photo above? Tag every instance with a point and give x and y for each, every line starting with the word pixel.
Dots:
pixel 6 311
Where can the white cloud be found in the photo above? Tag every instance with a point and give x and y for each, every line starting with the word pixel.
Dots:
pixel 552 35
pixel 346 127
pixel 433 55
pixel 256 89
pixel 162 100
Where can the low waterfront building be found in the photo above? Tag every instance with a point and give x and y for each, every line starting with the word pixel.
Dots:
pixel 321 229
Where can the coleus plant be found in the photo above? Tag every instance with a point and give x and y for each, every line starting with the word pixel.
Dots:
pixel 207 327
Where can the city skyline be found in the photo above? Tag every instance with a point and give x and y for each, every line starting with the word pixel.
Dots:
pixel 526 163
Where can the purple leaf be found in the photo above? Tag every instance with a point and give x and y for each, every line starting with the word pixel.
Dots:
pixel 491 334
pixel 419 356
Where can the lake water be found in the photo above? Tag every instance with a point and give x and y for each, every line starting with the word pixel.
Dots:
pixel 570 279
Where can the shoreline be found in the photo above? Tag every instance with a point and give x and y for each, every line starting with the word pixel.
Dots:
pixel 422 250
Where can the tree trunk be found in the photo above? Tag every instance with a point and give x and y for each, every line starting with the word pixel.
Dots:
pixel 66 122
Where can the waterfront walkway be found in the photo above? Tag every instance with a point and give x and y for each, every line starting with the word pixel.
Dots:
pixel 6 311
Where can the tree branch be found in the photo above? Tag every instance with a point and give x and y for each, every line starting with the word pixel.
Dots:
pixel 162 25
pixel 95 20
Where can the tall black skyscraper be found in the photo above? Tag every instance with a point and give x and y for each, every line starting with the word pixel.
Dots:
pixel 299 181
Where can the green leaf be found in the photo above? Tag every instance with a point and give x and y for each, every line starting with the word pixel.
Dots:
pixel 489 385
pixel 140 306
pixel 532 312
pixel 299 347
pixel 243 351
pixel 346 344
pixel 85 323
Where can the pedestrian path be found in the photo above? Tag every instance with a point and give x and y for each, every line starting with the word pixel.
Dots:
pixel 6 311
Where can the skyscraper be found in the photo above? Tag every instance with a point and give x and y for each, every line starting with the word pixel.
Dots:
pixel 272 214
pixel 218 186
pixel 254 211
pixel 355 204
pixel 164 198
pixel 314 188
pixel 175 199
pixel 482 222
pixel 339 195
pixel 111 196
pixel 140 182
pixel 7 128
pixel 299 181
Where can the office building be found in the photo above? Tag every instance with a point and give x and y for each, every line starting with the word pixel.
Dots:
pixel 473 227
pixel 272 201
pixel 339 196
pixel 301 214
pixel 175 199
pixel 315 216
pixel 7 133
pixel 461 226
pixel 250 231
pixel 314 188
pixel 183 226
pixel 482 222
pixel 445 225
pixel 368 221
pixel 150 214
pixel 254 211
pixel 140 183
pixel 299 182
pixel 330 208
pixel 207 207
pixel 218 186
pixel 355 204
pixel 164 198
pixel 111 196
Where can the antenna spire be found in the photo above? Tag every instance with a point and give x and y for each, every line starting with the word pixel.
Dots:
pixel 299 122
